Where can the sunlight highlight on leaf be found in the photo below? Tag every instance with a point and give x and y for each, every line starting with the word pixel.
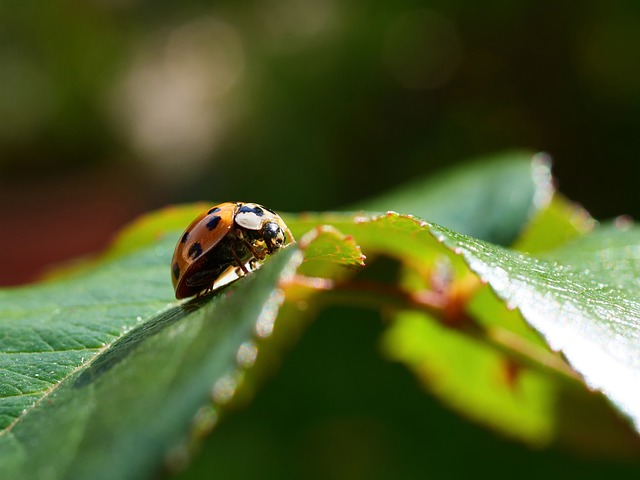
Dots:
pixel 582 297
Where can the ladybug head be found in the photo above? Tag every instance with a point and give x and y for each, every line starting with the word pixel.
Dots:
pixel 273 236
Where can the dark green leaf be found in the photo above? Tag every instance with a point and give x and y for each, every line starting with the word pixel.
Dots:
pixel 491 198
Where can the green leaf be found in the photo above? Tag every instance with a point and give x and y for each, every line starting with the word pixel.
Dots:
pixel 473 378
pixel 555 225
pixel 583 298
pixel 497 370
pixel 50 330
pixel 391 233
pixel 490 198
pixel 104 371
pixel 329 244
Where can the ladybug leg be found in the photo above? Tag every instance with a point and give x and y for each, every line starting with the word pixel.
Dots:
pixel 253 263
pixel 238 261
pixel 253 251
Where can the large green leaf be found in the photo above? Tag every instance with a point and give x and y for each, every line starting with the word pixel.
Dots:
pixel 103 371
pixel 491 198
pixel 582 297
pixel 496 368
pixel 50 330
pixel 119 415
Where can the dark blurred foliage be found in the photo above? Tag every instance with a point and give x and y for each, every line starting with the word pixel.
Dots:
pixel 120 106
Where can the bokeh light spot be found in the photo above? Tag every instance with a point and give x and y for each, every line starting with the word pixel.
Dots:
pixel 170 104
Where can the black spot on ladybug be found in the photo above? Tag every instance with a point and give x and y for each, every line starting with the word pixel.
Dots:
pixel 184 237
pixel 213 210
pixel 256 210
pixel 213 222
pixel 195 250
pixel 270 211
pixel 176 270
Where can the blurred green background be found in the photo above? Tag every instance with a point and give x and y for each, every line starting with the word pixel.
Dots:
pixel 109 108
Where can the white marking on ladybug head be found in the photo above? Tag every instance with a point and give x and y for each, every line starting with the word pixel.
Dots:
pixel 250 216
pixel 249 221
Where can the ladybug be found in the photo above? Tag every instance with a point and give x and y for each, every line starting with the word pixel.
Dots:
pixel 224 243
